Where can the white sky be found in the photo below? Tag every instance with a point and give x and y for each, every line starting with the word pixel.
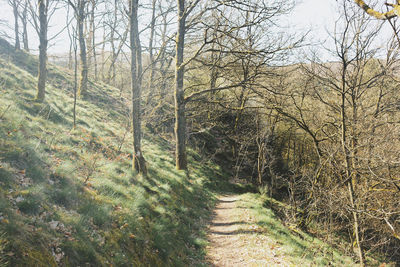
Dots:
pixel 315 15
pixel 318 16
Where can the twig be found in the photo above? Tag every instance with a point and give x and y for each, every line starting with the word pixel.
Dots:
pixel 7 108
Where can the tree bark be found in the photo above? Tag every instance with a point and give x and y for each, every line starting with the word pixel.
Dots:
pixel 75 47
pixel 42 73
pixel 16 26
pixel 139 163
pixel 103 47
pixel 112 70
pixel 151 41
pixel 82 90
pixel 180 117
pixel 24 20
pixel 350 174
pixel 93 33
pixel 379 15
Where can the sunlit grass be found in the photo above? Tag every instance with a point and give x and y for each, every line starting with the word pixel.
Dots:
pixel 68 196
pixel 298 247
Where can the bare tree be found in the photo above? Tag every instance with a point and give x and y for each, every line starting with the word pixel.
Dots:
pixel 180 119
pixel 118 34
pixel 159 72
pixel 40 20
pixel 15 6
pixel 79 7
pixel 91 35
pixel 43 9
pixel 138 163
pixel 24 19
pixel 151 44
pixel 339 107
pixel 72 34
pixel 206 39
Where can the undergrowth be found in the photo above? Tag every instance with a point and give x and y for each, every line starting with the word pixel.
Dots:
pixel 302 248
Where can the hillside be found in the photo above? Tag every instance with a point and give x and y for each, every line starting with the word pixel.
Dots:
pixel 68 196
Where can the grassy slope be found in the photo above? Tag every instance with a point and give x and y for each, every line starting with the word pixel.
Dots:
pixel 297 247
pixel 48 216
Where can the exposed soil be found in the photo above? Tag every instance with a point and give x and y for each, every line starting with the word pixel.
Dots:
pixel 236 240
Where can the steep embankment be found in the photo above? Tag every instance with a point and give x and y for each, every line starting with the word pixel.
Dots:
pixel 68 197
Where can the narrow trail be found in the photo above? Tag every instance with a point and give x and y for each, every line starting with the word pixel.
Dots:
pixel 236 240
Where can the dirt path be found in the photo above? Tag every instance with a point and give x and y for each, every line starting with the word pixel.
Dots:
pixel 236 240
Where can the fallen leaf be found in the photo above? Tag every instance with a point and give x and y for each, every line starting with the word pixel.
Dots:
pixel 53 224
pixel 19 199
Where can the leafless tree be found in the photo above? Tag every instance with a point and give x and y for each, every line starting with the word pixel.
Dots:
pixel 15 4
pixel 339 107
pixel 139 163
pixel 80 10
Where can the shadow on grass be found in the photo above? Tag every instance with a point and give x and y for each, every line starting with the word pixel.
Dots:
pixel 19 58
pixel 236 232
pixel 223 186
pixel 158 221
pixel 226 201
pixel 229 223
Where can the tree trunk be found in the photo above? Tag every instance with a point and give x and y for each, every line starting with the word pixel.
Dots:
pixel 16 26
pixel 82 90
pixel 70 58
pixel 350 174
pixel 24 20
pixel 93 32
pixel 75 47
pixel 42 73
pixel 111 70
pixel 139 163
pixel 151 41
pixel 88 42
pixel 260 161
pixel 180 117
pixel 103 47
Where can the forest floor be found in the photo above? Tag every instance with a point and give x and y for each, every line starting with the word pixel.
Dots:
pixel 237 240
pixel 245 231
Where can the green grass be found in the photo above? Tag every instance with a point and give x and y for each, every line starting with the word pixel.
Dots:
pixel 50 217
pixel 297 247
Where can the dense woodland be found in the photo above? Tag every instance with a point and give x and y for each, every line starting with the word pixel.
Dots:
pixel 224 78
